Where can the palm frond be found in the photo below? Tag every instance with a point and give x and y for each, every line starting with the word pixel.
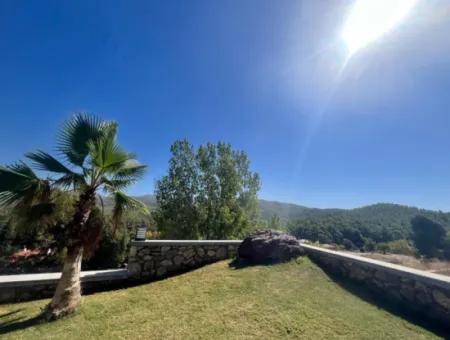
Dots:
pixel 44 161
pixel 123 176
pixel 123 202
pixel 102 204
pixel 72 180
pixel 106 154
pixel 75 135
pixel 20 185
pixel 131 170
pixel 113 185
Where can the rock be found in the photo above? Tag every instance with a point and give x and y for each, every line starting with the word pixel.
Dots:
pixel 133 251
pixel 359 274
pixel 7 294
pixel 211 253
pixel 422 294
pixel 170 254
pixel 189 253
pixel 148 266
pixel 166 263
pixel 269 246
pixel 221 253
pixel 134 269
pixel 407 293
pixel 178 260
pixel 441 299
pixel 380 275
pixel 161 271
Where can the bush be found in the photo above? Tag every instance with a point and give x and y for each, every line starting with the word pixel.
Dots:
pixel 428 236
pixel 111 252
pixel 348 245
pixel 402 247
pixel 446 247
pixel 369 245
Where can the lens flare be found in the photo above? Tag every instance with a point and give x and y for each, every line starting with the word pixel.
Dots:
pixel 370 19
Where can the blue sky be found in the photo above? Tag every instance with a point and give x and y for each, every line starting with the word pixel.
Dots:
pixel 266 76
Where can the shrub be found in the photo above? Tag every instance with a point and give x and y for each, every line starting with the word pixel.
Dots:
pixel 111 252
pixel 348 245
pixel 369 245
pixel 428 236
pixel 402 247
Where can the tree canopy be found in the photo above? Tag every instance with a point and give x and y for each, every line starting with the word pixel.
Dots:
pixel 428 236
pixel 208 193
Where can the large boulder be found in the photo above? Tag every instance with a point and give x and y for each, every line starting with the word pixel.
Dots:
pixel 268 246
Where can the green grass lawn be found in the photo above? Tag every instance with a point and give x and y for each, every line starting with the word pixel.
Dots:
pixel 292 300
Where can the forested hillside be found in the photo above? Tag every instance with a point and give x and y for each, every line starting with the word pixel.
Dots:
pixel 385 227
pixel 382 214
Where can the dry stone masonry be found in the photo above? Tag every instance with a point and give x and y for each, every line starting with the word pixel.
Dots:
pixel 158 259
pixel 425 293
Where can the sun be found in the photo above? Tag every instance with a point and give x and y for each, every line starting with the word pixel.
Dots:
pixel 370 19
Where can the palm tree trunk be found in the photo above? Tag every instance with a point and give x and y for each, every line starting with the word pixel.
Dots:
pixel 67 297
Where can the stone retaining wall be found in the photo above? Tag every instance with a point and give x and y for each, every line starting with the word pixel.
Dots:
pixel 158 259
pixel 414 290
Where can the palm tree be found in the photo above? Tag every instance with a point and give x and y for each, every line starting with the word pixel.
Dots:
pixel 91 161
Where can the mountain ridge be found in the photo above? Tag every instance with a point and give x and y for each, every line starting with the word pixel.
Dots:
pixel 291 211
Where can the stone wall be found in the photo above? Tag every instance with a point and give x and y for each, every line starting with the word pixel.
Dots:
pixel 414 290
pixel 158 259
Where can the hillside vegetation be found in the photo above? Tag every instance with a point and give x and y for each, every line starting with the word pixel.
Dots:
pixel 382 227
pixel 387 213
pixel 295 300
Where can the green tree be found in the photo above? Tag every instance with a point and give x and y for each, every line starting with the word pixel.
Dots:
pixel 274 222
pixel 446 246
pixel 92 160
pixel 176 194
pixel 428 236
pixel 208 194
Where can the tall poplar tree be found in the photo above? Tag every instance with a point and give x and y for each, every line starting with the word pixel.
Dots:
pixel 208 194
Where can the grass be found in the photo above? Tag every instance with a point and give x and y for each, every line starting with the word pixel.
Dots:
pixel 294 300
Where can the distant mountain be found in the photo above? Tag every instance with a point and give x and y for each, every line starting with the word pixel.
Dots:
pixel 290 211
pixel 385 213
pixel 149 200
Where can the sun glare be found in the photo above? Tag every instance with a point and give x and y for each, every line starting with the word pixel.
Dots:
pixel 370 19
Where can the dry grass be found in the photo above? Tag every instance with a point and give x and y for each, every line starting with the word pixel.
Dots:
pixel 429 265
pixel 294 300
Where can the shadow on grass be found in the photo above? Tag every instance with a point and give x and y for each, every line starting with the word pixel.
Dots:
pixel 19 322
pixel 380 301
